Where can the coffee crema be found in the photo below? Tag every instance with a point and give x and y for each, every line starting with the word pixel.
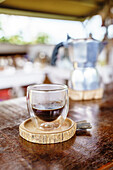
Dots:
pixel 48 112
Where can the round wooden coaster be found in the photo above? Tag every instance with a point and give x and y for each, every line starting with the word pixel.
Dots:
pixel 86 95
pixel 28 131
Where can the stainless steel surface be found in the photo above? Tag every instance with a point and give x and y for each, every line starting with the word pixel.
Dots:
pixel 85 79
pixel 83 53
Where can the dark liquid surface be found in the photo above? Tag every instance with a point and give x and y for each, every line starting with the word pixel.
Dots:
pixel 48 112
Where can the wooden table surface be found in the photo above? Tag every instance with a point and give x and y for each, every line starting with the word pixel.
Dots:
pixel 87 150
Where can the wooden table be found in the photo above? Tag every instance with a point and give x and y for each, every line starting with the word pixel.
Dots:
pixel 87 150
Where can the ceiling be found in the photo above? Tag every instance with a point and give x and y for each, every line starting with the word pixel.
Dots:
pixel 57 9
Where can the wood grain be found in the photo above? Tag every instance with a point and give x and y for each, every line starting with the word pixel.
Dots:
pixel 31 133
pixel 86 95
pixel 87 150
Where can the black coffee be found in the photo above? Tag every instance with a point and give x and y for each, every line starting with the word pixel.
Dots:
pixel 48 112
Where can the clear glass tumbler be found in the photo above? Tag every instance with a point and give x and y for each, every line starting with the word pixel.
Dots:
pixel 48 104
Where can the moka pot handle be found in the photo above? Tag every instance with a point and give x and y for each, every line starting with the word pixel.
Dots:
pixel 55 52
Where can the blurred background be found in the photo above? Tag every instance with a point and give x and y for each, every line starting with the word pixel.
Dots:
pixel 29 31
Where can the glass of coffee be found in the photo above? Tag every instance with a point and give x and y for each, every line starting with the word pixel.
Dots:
pixel 48 104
